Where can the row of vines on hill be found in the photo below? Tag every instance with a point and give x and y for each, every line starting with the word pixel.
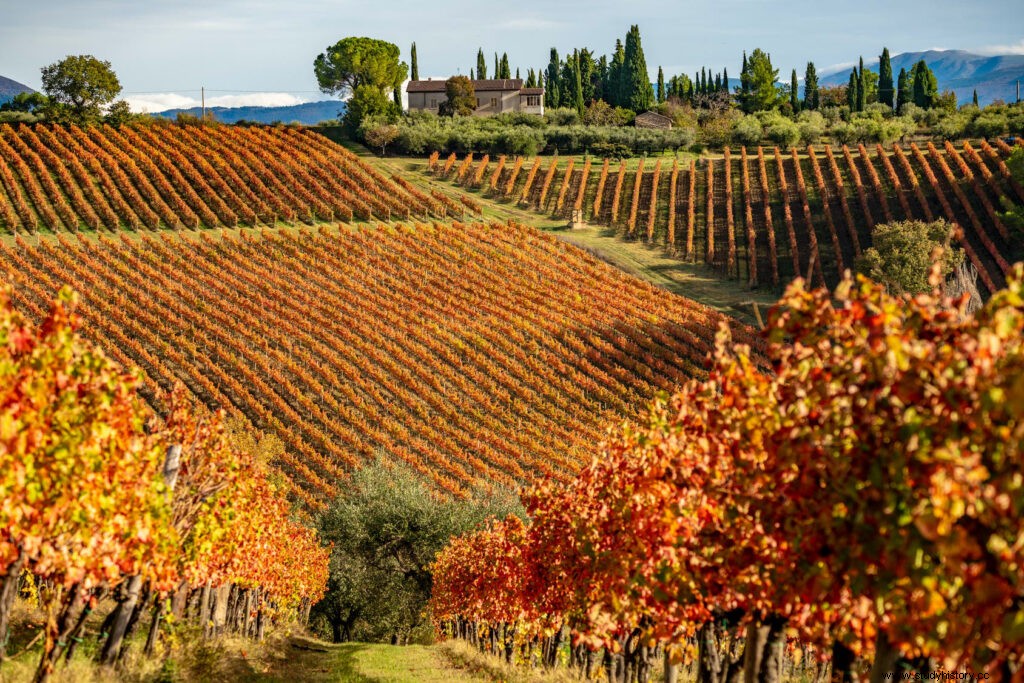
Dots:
pixel 65 178
pixel 825 204
pixel 96 504
pixel 471 352
pixel 765 525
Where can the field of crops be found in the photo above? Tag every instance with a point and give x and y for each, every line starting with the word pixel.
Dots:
pixel 57 178
pixel 764 217
pixel 472 352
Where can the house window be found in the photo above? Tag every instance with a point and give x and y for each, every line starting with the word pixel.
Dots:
pixel 433 103
pixel 494 103
pixel 533 100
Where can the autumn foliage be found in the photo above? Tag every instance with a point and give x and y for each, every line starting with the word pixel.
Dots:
pixel 864 498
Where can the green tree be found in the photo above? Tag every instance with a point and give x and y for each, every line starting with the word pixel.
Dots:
pixel 79 86
pixel 386 530
pixel 853 90
pixel 506 71
pixel 461 97
pixel 382 136
pixel 925 85
pixel 745 77
pixel 885 85
pixel 368 101
pixel 635 87
pixel 811 98
pixel 794 89
pixel 725 80
pixel 661 85
pixel 903 92
pixel 27 102
pixel 862 87
pixel 415 64
pixel 613 92
pixel 761 94
pixel 531 79
pixel 481 64
pixel 588 75
pixel 600 79
pixel 974 98
pixel 576 101
pixel 497 66
pixel 900 256
pixel 358 62
pixel 552 94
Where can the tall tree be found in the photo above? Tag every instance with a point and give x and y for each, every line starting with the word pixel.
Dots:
pixel 974 99
pixel 725 80
pixel 552 96
pixel 415 64
pixel 745 76
pixel 577 84
pixel 497 66
pixel 81 85
pixel 851 90
pixel 588 75
pixel 718 82
pixel 761 79
pixel 460 97
pixel 481 64
pixel 661 85
pixel 703 87
pixel 517 73
pixel 903 93
pixel 472 74
pixel 925 85
pixel 506 72
pixel 794 89
pixel 613 93
pixel 637 93
pixel 885 85
pixel 811 96
pixel 531 79
pixel 862 87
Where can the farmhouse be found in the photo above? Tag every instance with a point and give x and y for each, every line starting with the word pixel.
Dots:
pixel 494 96
pixel 652 119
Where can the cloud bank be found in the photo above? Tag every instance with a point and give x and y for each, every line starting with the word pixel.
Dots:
pixel 157 102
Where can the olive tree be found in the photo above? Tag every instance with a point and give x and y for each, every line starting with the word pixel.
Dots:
pixel 79 87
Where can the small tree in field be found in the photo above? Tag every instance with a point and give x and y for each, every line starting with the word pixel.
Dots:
pixel 382 136
pixel 79 86
pixel 461 97
pixel 902 254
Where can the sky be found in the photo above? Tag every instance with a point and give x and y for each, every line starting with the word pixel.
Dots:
pixel 261 52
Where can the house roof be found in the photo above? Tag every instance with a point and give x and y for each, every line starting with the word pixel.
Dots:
pixel 654 115
pixel 501 84
pixel 532 91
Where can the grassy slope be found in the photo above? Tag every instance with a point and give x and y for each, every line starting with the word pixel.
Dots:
pixel 651 263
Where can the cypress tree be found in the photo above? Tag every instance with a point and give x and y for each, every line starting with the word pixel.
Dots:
pixel 415 64
pixel 517 73
pixel 577 84
pixel 745 76
pixel 725 80
pixel 703 88
pixel 794 88
pixel 902 89
pixel 925 86
pixel 661 85
pixel 862 87
pixel 851 90
pixel 589 78
pixel 481 64
pixel 885 89
pixel 975 99
pixel 613 93
pixel 718 82
pixel 811 97
pixel 600 78
pixel 552 96
pixel 497 66
pixel 637 93
pixel 472 75
pixel 506 72
pixel 531 79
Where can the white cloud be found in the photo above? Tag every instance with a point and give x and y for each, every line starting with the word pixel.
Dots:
pixel 1014 49
pixel 836 68
pixel 157 102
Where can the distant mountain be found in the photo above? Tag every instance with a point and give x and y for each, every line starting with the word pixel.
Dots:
pixel 9 88
pixel 995 77
pixel 309 113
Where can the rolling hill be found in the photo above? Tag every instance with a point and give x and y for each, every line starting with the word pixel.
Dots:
pixel 9 88
pixel 994 77
pixel 308 113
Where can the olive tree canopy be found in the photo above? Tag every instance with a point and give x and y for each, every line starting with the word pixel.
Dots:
pixel 356 61
pixel 81 86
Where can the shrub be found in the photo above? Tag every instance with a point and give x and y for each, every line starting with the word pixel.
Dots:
pixel 748 131
pixel 901 255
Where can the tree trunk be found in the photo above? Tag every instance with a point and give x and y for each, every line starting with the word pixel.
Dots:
pixel 842 663
pixel 154 629
pixel 119 626
pixel 886 657
pixel 671 670
pixel 8 593
pixel 554 647
pixel 204 609
pixel 732 672
pixel 261 622
pixel 58 630
pixel 709 667
pixel 753 650
pixel 774 651
pixel 179 601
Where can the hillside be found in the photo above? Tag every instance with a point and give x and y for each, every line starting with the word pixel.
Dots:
pixel 994 77
pixel 55 178
pixel 763 217
pixel 308 113
pixel 474 353
pixel 9 88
